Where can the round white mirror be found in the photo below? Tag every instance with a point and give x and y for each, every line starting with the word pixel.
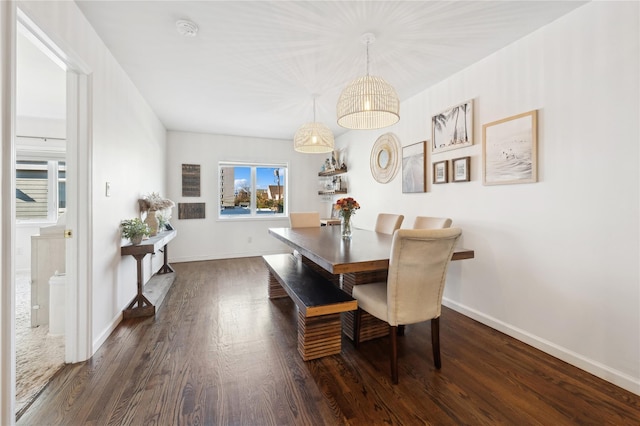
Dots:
pixel 383 158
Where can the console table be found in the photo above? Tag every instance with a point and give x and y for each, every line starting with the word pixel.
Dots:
pixel 144 307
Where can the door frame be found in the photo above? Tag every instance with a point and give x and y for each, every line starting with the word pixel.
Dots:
pixel 78 336
pixel 78 340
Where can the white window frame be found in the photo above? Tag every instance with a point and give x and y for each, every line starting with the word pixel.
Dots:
pixel 28 149
pixel 253 213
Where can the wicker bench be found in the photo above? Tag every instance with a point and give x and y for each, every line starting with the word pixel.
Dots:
pixel 319 304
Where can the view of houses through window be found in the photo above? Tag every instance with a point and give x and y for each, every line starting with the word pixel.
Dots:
pixel 252 190
pixel 40 190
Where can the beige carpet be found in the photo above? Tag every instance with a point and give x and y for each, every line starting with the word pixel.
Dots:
pixel 38 355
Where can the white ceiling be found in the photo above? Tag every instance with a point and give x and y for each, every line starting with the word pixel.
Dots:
pixel 254 66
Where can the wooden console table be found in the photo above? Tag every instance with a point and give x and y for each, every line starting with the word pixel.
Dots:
pixel 144 307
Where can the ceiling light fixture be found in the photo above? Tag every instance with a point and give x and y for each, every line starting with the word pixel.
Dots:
pixel 368 102
pixel 313 138
pixel 186 28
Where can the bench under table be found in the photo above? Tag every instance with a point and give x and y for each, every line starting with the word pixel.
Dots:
pixel 318 300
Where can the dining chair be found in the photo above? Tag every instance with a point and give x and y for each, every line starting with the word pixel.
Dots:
pixel 387 223
pixel 429 222
pixel 413 290
pixel 304 219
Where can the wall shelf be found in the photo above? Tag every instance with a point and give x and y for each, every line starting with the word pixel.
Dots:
pixel 331 192
pixel 333 172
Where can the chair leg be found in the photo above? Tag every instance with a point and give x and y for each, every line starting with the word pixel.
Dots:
pixel 393 332
pixel 435 341
pixel 356 327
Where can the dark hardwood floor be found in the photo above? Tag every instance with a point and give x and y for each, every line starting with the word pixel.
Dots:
pixel 219 352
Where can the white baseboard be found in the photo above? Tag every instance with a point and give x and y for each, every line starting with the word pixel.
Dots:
pixel 106 333
pixel 598 369
pixel 224 256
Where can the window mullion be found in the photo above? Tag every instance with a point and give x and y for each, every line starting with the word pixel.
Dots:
pixel 254 200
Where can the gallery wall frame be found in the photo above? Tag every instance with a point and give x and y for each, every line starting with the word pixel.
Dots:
pixel 191 180
pixel 461 169
pixel 510 150
pixel 452 128
pixel 191 210
pixel 414 167
pixel 441 172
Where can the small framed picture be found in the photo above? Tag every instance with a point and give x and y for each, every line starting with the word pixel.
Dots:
pixel 441 172
pixel 460 168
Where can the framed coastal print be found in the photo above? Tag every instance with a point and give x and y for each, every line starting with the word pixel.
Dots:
pixel 460 169
pixel 414 168
pixel 441 172
pixel 509 150
pixel 452 128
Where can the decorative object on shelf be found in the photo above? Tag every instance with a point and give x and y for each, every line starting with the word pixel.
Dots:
pixel 152 220
pixel 191 180
pixel 414 168
pixel 509 150
pixel 452 128
pixel 153 204
pixel 346 208
pixel 384 158
pixel 335 185
pixel 134 230
pixel 368 102
pixel 313 138
pixel 460 168
pixel 441 172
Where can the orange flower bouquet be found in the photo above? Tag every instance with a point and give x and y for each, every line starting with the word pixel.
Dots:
pixel 346 207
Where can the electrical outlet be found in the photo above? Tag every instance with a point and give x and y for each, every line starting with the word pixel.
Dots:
pixel 107 189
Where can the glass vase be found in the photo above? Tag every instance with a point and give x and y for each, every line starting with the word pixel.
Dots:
pixel 345 227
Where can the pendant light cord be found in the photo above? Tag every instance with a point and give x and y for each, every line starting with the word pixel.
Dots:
pixel 368 57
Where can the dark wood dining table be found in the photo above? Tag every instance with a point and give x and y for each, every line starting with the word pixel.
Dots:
pixel 348 262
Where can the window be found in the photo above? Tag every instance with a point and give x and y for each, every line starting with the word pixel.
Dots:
pixel 252 190
pixel 40 190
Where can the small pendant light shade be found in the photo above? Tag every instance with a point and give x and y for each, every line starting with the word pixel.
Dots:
pixel 368 102
pixel 313 138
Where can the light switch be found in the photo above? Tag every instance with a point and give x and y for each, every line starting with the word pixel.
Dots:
pixel 107 189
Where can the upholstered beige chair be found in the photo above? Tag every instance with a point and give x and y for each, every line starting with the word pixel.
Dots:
pixel 413 290
pixel 304 219
pixel 428 222
pixel 387 223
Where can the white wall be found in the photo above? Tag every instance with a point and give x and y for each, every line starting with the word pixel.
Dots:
pixel 128 150
pixel 211 238
pixel 556 261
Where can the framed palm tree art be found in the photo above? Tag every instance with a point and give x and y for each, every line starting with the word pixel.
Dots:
pixel 452 128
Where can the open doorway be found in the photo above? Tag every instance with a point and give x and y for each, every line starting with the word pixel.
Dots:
pixel 40 168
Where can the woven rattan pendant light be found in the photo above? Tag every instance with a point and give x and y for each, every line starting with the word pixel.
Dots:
pixel 368 102
pixel 313 138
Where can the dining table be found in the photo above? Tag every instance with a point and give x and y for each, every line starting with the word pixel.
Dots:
pixel 361 259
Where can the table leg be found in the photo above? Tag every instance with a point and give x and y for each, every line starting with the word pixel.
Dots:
pixel 145 308
pixel 165 269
